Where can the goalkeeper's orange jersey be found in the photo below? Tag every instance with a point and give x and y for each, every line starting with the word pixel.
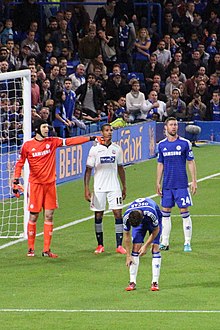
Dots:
pixel 41 156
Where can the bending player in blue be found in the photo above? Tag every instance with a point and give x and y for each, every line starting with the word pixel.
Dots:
pixel 173 152
pixel 142 215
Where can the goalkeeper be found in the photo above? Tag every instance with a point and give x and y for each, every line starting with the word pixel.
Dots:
pixel 40 153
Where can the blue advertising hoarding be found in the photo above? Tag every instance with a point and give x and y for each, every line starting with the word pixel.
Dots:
pixel 137 142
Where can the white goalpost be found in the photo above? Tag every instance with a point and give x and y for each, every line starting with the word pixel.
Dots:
pixel 15 128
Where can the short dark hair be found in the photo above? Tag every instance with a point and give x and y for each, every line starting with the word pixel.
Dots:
pixel 176 24
pixel 135 218
pixel 105 125
pixel 54 66
pixel 216 92
pixel 124 18
pixel 169 119
pixel 91 75
pixel 67 79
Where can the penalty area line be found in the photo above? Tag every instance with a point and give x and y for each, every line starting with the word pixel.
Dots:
pixel 42 310
pixel 75 222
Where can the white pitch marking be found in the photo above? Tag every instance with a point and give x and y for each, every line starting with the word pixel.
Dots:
pixel 41 310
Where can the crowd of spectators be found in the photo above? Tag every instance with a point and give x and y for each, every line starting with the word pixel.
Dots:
pixel 117 66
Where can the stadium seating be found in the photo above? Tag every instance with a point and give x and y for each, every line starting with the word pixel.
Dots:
pixel 137 75
pixel 124 68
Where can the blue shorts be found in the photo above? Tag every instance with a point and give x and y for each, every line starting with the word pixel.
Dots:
pixel 139 233
pixel 181 197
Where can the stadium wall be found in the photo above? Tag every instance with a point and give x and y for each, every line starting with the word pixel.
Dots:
pixel 210 131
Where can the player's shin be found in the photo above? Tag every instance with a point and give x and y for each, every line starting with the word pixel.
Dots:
pixel 187 227
pixel 156 265
pixel 119 231
pixel 133 269
pixel 48 231
pixel 31 232
pixel 166 228
pixel 99 231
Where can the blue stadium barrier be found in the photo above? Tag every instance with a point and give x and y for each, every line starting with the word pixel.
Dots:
pixel 74 131
pixel 80 131
pixel 93 128
pixel 104 120
pixel 87 128
pixel 210 130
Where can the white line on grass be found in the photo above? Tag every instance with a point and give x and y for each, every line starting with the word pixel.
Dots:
pixel 73 223
pixel 32 310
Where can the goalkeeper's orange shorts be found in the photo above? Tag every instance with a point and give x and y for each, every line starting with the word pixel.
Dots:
pixel 42 196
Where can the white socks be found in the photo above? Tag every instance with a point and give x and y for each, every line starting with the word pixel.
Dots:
pixel 156 265
pixel 133 270
pixel 187 227
pixel 166 228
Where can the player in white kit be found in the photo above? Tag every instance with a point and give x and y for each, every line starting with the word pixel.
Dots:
pixel 107 161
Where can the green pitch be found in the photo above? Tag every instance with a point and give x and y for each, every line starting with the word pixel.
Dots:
pixel 80 290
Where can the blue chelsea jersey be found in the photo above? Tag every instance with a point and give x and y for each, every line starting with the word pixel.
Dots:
pixel 151 211
pixel 174 155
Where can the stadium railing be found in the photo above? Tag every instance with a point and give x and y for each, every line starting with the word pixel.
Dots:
pixel 91 127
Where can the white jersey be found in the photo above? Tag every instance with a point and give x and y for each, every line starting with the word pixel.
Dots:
pixel 105 161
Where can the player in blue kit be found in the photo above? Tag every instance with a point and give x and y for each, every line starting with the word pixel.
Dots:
pixel 142 215
pixel 173 153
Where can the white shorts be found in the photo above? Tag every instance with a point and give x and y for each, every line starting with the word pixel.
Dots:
pixel 98 202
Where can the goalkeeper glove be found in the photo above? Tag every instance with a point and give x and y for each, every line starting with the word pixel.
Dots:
pixel 98 139
pixel 17 188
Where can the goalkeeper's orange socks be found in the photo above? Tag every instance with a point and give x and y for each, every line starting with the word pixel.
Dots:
pixel 48 231
pixel 31 231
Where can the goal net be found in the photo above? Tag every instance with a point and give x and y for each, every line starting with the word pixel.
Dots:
pixel 15 127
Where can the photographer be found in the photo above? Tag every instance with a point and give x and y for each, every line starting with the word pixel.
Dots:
pixel 175 106
pixel 196 110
